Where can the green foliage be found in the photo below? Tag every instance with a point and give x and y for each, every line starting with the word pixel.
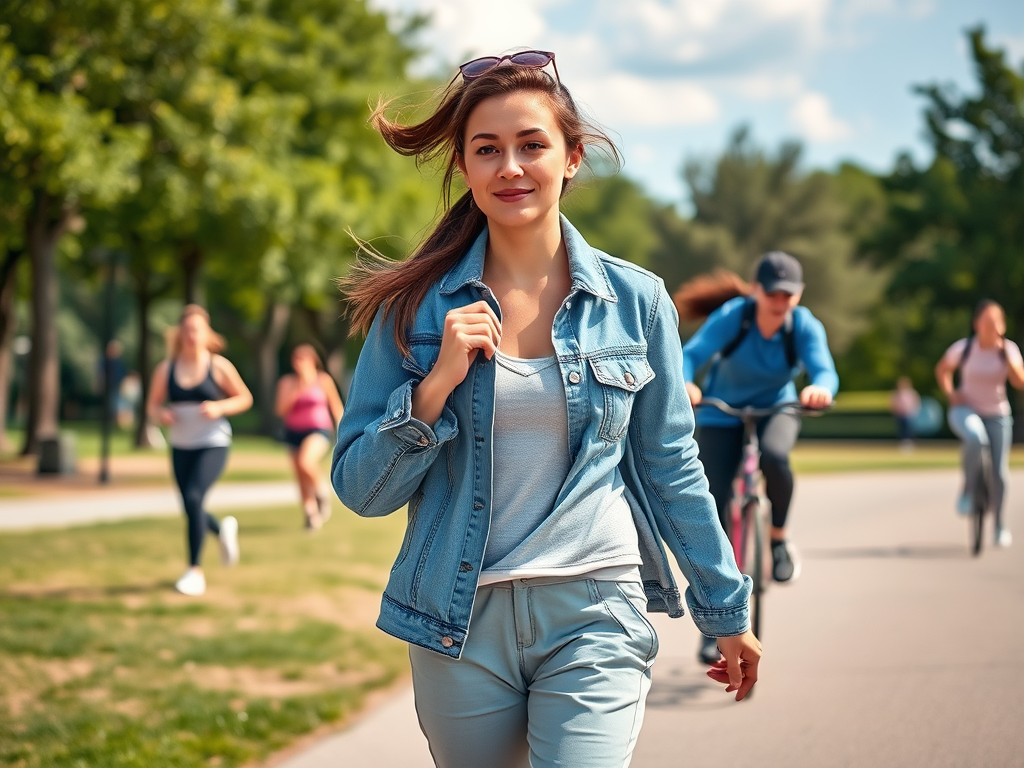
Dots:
pixel 952 232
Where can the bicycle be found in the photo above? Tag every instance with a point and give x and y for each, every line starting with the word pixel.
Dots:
pixel 749 506
pixel 980 503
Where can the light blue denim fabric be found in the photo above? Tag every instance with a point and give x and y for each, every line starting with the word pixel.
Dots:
pixel 554 674
pixel 617 343
pixel 984 433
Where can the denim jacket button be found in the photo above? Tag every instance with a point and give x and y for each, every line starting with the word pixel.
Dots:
pixel 447 642
pixel 629 378
pixel 478 505
pixel 574 378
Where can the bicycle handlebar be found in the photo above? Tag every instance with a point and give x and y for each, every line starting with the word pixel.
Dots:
pixel 757 413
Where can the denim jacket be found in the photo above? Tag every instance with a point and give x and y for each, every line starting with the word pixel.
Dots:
pixel 617 344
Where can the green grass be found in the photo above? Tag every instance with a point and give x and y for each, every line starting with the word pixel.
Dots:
pixel 103 664
pixel 848 456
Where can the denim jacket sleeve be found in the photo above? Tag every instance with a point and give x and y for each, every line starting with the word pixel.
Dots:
pixel 383 452
pixel 662 427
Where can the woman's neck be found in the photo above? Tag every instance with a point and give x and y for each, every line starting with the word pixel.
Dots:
pixel 193 356
pixel 987 341
pixel 519 257
pixel 767 324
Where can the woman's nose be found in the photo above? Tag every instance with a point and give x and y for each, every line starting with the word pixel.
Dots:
pixel 510 167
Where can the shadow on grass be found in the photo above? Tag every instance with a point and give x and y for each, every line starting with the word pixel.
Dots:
pixel 901 551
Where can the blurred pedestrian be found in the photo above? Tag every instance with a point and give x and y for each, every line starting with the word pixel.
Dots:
pixel 905 404
pixel 128 396
pixel 980 412
pixel 202 389
pixel 310 405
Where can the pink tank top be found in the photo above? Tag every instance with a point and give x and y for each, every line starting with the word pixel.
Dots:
pixel 310 411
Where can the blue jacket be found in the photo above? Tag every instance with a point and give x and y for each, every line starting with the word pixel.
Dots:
pixel 757 373
pixel 617 343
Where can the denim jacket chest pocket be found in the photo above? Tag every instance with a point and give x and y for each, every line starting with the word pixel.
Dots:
pixel 619 378
pixel 423 351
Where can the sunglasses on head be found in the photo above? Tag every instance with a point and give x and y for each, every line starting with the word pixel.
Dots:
pixel 530 59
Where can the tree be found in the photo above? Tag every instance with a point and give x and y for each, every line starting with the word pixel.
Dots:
pixel 63 153
pixel 953 231
pixel 747 202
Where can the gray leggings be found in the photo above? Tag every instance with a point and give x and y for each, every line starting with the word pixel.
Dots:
pixel 981 433
pixel 721 450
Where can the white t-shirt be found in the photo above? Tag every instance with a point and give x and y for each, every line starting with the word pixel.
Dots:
pixel 983 376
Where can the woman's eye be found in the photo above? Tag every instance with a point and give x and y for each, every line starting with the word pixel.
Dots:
pixel 534 145
pixel 486 150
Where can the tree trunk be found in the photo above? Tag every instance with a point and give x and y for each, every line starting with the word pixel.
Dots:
pixel 47 222
pixel 191 265
pixel 143 299
pixel 268 346
pixel 8 327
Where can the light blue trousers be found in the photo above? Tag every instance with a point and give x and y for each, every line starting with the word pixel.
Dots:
pixel 554 673
pixel 984 433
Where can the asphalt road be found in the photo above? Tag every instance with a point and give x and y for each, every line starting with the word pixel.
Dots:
pixel 895 648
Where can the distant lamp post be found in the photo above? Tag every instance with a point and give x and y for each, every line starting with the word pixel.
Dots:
pixel 21 346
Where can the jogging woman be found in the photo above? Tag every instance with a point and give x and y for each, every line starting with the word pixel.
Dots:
pixel 520 391
pixel 979 411
pixel 192 393
pixel 309 403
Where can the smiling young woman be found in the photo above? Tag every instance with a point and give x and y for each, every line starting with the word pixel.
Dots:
pixel 522 393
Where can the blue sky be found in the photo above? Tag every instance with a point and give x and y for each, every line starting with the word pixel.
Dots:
pixel 671 79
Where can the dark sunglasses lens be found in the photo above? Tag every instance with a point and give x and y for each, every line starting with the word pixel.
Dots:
pixel 477 67
pixel 531 59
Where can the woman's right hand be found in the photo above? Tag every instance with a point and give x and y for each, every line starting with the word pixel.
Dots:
pixel 468 331
pixel 166 417
pixel 694 392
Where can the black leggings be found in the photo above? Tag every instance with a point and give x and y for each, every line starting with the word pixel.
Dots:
pixel 196 469
pixel 721 450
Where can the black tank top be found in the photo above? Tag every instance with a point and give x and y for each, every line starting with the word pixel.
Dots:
pixel 205 390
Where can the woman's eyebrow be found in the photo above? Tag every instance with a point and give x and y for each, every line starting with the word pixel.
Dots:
pixel 519 135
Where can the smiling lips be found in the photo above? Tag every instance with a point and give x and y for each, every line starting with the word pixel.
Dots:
pixel 512 195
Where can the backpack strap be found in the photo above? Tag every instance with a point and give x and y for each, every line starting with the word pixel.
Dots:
pixel 958 372
pixel 746 323
pixel 789 340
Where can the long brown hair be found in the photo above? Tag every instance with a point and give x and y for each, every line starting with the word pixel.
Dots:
pixel 172 336
pixel 699 297
pixel 399 287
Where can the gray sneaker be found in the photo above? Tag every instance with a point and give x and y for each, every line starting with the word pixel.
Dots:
pixel 785 562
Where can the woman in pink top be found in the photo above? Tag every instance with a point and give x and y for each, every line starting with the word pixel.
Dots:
pixel 309 403
pixel 979 412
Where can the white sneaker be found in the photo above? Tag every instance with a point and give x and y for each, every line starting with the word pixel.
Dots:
pixel 1004 538
pixel 192 583
pixel 229 540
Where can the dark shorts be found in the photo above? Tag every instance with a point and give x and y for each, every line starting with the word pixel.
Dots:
pixel 294 437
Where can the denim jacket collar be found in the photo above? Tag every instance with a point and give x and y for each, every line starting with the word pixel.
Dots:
pixel 587 272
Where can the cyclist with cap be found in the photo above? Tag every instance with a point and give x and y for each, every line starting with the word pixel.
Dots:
pixel 754 345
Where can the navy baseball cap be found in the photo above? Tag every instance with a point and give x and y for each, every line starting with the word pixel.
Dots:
pixel 778 271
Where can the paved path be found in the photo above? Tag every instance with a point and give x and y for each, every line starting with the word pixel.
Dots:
pixel 99 505
pixel 895 649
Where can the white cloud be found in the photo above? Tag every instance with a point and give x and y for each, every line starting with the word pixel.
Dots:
pixel 761 87
pixel 1014 47
pixel 811 114
pixel 625 100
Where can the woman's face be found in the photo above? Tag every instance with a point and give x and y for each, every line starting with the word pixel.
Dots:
pixel 776 304
pixel 195 332
pixel 991 323
pixel 302 361
pixel 515 158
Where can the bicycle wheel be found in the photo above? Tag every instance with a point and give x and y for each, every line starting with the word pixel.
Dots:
pixel 981 496
pixel 752 546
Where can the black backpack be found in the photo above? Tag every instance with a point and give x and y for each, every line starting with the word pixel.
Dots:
pixel 747 322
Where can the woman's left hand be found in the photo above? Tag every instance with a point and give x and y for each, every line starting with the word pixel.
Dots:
pixel 738 666
pixel 211 409
pixel 815 397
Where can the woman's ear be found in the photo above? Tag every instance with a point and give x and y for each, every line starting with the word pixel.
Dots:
pixel 460 161
pixel 575 161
